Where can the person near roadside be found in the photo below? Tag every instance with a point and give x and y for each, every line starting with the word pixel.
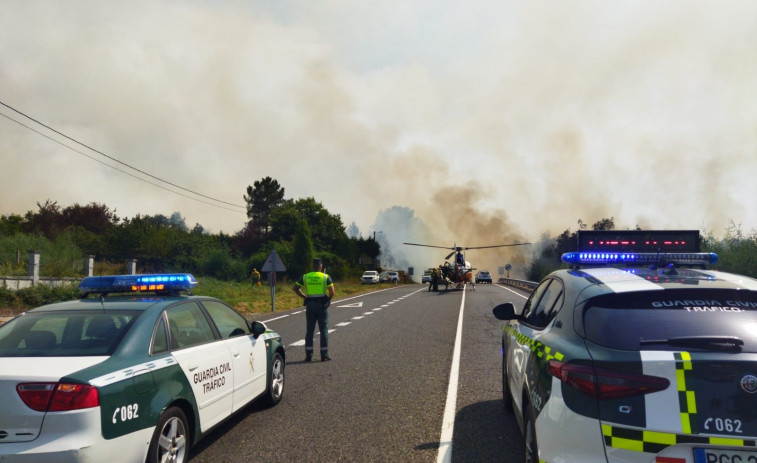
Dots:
pixel 317 290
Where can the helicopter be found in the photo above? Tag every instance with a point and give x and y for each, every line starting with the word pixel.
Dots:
pixel 460 273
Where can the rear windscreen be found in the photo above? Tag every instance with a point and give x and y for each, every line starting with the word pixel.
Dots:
pixel 64 334
pixel 674 320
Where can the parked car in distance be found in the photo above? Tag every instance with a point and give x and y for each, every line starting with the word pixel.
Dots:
pixel 370 277
pixel 426 278
pixel 483 277
pixel 393 277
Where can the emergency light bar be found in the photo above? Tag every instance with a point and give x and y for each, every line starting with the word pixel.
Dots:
pixel 164 282
pixel 638 240
pixel 640 258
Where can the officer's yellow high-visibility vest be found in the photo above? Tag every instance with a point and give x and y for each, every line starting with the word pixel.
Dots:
pixel 315 284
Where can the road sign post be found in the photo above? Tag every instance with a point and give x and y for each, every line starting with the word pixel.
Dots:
pixel 273 264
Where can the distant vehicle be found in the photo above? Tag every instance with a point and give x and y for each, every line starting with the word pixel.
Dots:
pixel 636 354
pixel 483 276
pixel 370 277
pixel 426 277
pixel 127 375
pixel 393 277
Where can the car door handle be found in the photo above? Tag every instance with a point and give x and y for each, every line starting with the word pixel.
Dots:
pixel 192 367
pixel 235 354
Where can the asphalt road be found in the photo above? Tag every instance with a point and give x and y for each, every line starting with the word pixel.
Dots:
pixel 383 396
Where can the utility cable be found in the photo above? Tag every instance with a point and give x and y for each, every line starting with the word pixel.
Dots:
pixel 114 167
pixel 109 157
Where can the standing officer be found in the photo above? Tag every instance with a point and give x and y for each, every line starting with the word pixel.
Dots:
pixel 319 290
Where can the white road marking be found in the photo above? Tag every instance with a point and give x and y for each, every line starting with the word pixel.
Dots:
pixel 301 342
pixel 514 292
pixel 354 304
pixel 448 422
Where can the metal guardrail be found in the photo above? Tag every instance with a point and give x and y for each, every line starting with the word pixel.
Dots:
pixel 520 284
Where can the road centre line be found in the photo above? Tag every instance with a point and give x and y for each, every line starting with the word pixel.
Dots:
pixel 448 422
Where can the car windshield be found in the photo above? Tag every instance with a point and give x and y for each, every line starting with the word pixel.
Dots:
pixel 674 319
pixel 64 334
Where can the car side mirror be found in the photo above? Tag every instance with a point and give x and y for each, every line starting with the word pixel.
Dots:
pixel 504 311
pixel 257 328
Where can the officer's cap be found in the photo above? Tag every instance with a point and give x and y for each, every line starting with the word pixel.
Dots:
pixel 317 262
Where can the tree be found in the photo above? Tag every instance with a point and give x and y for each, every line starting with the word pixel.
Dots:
pixel 262 199
pixel 326 229
pixel 353 231
pixel 48 221
pixel 11 224
pixel 302 258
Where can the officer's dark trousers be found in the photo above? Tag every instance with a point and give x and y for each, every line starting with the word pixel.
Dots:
pixel 314 312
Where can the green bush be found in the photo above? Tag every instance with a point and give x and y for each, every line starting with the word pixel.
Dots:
pixel 38 295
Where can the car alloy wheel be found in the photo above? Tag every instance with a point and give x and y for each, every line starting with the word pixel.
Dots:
pixel 276 380
pixel 170 442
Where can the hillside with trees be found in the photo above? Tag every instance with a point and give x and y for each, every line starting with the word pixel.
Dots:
pixel 295 228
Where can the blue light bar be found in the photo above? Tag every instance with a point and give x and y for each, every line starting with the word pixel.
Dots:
pixel 640 258
pixel 162 282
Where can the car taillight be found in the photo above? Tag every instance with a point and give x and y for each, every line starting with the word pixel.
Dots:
pixel 605 384
pixel 58 397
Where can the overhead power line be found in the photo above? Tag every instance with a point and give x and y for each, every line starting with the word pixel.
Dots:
pixel 115 160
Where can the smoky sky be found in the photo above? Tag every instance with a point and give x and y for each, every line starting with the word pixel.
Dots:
pixel 491 121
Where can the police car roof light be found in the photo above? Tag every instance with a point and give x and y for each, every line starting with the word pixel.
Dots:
pixel 162 282
pixel 640 258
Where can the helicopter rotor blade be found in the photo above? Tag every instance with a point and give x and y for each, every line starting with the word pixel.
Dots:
pixel 497 246
pixel 450 255
pixel 430 246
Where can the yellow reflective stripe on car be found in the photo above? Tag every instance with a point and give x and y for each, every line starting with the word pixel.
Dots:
pixel 543 352
pixel 686 398
pixel 638 440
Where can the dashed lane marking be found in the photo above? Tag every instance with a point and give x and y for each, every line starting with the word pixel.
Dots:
pixel 301 342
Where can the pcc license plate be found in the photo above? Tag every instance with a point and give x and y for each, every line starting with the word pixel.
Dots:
pixel 724 456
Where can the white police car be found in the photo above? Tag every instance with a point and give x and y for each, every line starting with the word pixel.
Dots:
pixel 131 377
pixel 653 359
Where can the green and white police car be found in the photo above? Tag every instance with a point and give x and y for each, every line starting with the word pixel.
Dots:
pixel 135 371
pixel 637 353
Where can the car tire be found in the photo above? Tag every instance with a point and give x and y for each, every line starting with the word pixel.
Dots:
pixel 507 398
pixel 170 441
pixel 530 446
pixel 275 390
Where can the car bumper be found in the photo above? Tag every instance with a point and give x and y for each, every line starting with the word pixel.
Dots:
pixel 78 440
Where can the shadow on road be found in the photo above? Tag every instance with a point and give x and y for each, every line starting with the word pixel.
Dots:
pixel 485 432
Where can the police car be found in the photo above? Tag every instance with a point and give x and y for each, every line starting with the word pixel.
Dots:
pixel 636 353
pixel 130 377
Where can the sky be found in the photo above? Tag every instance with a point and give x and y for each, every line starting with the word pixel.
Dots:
pixel 490 121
